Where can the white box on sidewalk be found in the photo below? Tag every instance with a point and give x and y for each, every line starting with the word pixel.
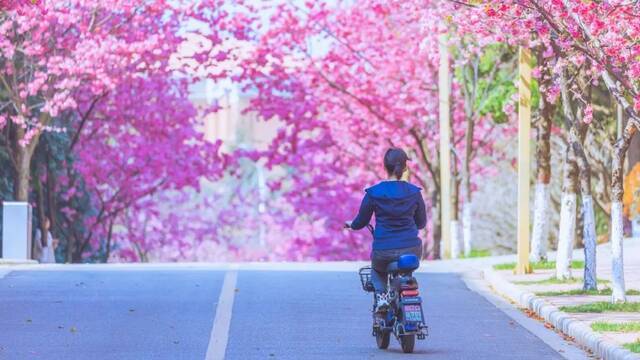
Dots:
pixel 16 230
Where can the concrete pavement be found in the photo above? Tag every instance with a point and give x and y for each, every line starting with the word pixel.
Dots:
pixel 107 315
pixel 167 312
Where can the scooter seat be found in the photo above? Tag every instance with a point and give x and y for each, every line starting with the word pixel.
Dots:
pixel 406 262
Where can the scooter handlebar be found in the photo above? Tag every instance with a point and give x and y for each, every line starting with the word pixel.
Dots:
pixel 347 225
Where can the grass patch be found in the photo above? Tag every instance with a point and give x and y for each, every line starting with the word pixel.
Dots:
pixel 633 347
pixel 606 291
pixel 549 281
pixel 541 265
pixel 617 327
pixel 602 306
pixel 554 281
pixel 505 266
pixel 477 253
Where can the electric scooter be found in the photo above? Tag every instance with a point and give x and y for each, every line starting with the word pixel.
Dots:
pixel 404 317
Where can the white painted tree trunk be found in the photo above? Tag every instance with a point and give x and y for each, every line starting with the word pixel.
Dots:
pixel 617 267
pixel 466 224
pixel 455 239
pixel 589 239
pixel 566 236
pixel 541 223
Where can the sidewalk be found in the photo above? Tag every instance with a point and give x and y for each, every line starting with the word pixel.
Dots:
pixel 607 333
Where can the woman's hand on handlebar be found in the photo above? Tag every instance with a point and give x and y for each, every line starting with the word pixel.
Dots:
pixel 347 225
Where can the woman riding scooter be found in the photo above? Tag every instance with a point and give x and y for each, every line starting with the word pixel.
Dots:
pixel 400 213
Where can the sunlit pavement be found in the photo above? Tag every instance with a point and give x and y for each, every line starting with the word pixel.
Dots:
pixel 168 312
pixel 107 314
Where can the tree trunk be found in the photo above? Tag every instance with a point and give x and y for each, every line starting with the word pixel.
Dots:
pixel 455 238
pixel 467 220
pixel 435 218
pixel 567 230
pixel 541 222
pixel 576 166
pixel 590 280
pixel 588 219
pixel 76 256
pixel 577 241
pixel 36 249
pixel 617 231
pixel 51 186
pixel 108 244
pixel 617 189
pixel 436 223
pixel 633 154
pixel 23 155
pixel 23 162
pixel 542 205
pixel 454 227
pixel 41 211
pixel 71 240
pixel 466 188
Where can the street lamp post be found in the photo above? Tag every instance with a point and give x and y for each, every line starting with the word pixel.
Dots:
pixel 524 158
pixel 444 86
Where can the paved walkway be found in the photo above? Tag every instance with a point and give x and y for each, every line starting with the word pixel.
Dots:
pixel 632 280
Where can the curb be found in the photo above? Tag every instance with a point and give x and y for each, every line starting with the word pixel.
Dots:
pixel 17 262
pixel 582 334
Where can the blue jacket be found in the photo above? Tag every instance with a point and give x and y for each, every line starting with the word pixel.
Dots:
pixel 400 213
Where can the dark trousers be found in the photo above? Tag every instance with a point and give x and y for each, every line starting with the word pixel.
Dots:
pixel 380 259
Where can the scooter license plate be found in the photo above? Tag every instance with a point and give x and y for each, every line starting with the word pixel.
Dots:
pixel 413 313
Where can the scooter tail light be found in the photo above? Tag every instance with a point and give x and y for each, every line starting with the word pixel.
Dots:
pixel 410 293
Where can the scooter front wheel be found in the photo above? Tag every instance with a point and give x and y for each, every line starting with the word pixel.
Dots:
pixel 408 342
pixel 382 339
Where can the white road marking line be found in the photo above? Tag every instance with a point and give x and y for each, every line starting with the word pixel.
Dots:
pixel 220 331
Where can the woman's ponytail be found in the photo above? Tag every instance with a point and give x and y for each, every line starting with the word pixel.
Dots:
pixel 398 169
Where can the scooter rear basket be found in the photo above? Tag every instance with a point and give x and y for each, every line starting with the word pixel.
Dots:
pixel 365 279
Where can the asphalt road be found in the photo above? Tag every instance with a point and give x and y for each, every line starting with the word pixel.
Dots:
pixel 168 314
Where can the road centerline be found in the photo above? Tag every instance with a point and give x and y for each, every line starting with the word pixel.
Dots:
pixel 220 331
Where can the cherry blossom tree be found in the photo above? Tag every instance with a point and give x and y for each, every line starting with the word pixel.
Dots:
pixel 113 80
pixel 603 33
pixel 347 83
pixel 41 78
pixel 151 144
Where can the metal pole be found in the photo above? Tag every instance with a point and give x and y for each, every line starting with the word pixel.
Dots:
pixel 444 87
pixel 524 159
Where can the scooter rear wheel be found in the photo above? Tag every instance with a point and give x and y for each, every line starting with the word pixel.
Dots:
pixel 408 342
pixel 382 339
